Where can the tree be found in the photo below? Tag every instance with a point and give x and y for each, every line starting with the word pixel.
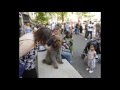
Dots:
pixel 83 14
pixel 61 15
pixel 42 17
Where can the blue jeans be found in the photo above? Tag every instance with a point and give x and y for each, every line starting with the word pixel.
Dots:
pixel 76 31
pixel 66 55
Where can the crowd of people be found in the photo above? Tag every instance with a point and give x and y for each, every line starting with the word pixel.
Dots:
pixel 40 35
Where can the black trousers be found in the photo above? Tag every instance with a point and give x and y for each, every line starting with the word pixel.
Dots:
pixel 90 32
pixel 80 30
pixel 86 33
pixel 30 73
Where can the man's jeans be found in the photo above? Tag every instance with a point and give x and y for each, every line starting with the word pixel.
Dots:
pixel 90 32
pixel 77 31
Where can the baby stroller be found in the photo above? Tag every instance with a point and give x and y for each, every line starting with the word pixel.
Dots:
pixel 97 49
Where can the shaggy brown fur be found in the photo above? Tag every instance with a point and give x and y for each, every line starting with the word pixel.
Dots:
pixel 53 54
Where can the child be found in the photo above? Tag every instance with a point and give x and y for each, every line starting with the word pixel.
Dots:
pixel 69 41
pixel 91 58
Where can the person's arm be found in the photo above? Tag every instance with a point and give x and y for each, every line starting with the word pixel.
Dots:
pixel 88 26
pixel 25 47
pixel 47 47
pixel 48 44
pixel 94 55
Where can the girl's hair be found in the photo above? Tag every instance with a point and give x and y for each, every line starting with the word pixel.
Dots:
pixel 66 33
pixel 93 45
pixel 42 35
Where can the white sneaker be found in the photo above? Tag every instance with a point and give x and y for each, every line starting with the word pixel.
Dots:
pixel 87 69
pixel 85 39
pixel 91 39
pixel 91 71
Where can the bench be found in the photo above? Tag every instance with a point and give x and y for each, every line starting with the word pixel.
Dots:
pixel 65 70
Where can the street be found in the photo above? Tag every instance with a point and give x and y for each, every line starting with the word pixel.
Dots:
pixel 79 44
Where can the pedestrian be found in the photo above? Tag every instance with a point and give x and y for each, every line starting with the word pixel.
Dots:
pixel 53 25
pixel 27 28
pixel 67 26
pixel 35 28
pixel 70 28
pixel 77 28
pixel 86 30
pixel 91 58
pixel 98 29
pixel 81 29
pixel 90 29
pixel 28 50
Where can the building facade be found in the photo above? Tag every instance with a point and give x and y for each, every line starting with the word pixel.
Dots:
pixel 32 15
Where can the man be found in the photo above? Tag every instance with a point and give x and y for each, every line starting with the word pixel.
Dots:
pixel 98 29
pixel 86 30
pixel 90 29
pixel 67 26
pixel 53 25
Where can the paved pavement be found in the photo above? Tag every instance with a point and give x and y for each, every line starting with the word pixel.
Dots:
pixel 79 44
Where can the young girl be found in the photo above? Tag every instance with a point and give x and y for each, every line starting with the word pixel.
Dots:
pixel 91 58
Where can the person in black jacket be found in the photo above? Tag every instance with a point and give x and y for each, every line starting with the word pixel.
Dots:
pixel 81 28
pixel 77 28
pixel 86 30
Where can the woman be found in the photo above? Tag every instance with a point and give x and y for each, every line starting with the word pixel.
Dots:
pixel 27 50
pixel 27 29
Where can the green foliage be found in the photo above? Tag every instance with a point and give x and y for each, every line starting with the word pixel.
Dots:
pixel 45 16
pixel 84 14
pixel 62 15
pixel 41 17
